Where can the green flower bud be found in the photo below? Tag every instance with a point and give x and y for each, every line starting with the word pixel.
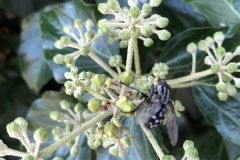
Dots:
pixel 97 143
pixel 68 29
pixel 108 83
pixel 56 131
pixel 65 40
pixel 162 22
pixel 126 77
pixel 146 8
pixel 209 41
pixel 68 59
pixel 123 44
pixel 134 12
pixel 160 70
pixel 126 141
pixel 89 35
pixel 188 144
pixel 78 107
pixel 58 59
pixel 104 26
pixel 69 127
pixel 98 80
pixel 202 45
pixel 148 42
pixel 40 135
pixel 218 37
pixel 155 3
pixel 110 129
pixel 113 4
pixel 125 105
pixel 57 116
pixel 114 150
pixel 117 121
pixel 68 84
pixel 121 153
pixel 57 158
pixel 221 87
pixel 22 122
pixel 231 90
pixel 215 68
pixel 103 8
pixel 14 130
pixel 232 67
pixel 132 3
pixel 168 157
pixel 146 30
pixel 84 50
pixel 115 61
pixel 58 45
pixel 74 152
pixel 78 24
pixel 29 157
pixel 208 61
pixel 226 78
pixel 163 35
pixel 191 152
pixel 71 143
pixel 94 104
pixel 125 34
pixel 65 104
pixel 192 48
pixel 237 82
pixel 220 52
pixel 89 24
pixel 222 96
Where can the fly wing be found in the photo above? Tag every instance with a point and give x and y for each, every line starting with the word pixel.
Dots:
pixel 141 112
pixel 171 123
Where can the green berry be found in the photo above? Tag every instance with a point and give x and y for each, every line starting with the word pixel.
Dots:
pixel 222 96
pixel 94 104
pixel 215 68
pixel 221 87
pixel 125 34
pixel 192 48
pixel 126 77
pixel 146 30
pixel 110 129
pixel 58 59
pixel 148 42
pixel 134 12
pixel 232 67
pixel 40 135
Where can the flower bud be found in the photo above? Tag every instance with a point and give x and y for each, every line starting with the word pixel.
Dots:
pixel 97 143
pixel 78 24
pixel 232 67
pixel 162 22
pixel 163 35
pixel 103 8
pixel 57 158
pixel 237 51
pixel 58 59
pixel 65 104
pixel 125 105
pixel 237 82
pixel 218 37
pixel 126 77
pixel 160 70
pixel 84 50
pixel 29 157
pixel 56 131
pixel 98 80
pixel 114 5
pixel 226 78
pixel 202 45
pixel 104 26
pixel 74 151
pixel 188 144
pixel 132 3
pixel 117 121
pixel 58 45
pixel 69 127
pixel 123 44
pixel 155 3
pixel 89 35
pixel 192 48
pixel 115 61
pixel 14 130
pixel 68 29
pixel 89 24
pixel 114 150
pixel 221 87
pixel 168 157
pixel 220 52
pixel 146 8
pixel 57 116
pixel 148 42
pixel 125 34
pixel 110 129
pixel 65 40
pixel 209 41
pixel 78 107
pixel 146 30
pixel 40 135
pixel 222 96
pixel 231 90
pixel 126 141
pixel 68 59
pixel 215 68
pixel 134 12
pixel 94 104
pixel 22 122
pixel 191 153
pixel 208 61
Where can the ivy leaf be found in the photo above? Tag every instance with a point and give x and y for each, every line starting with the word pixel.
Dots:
pixel 53 19
pixel 140 149
pixel 33 65
pixel 225 116
pixel 218 12
pixel 38 116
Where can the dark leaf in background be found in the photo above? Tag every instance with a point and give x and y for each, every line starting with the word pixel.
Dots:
pixel 218 12
pixel 53 19
pixel 34 67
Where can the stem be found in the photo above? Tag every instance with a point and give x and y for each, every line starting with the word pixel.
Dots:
pixel 190 77
pixel 96 94
pixel 137 59
pixel 100 62
pixel 194 57
pixel 190 84
pixel 75 133
pixel 130 54
pixel 36 150
pixel 12 152
pixel 153 141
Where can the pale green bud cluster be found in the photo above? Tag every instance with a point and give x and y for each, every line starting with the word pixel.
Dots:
pixel 125 105
pixel 220 63
pixel 144 83
pixel 191 152
pixel 160 70
pixel 133 21
pixel 115 61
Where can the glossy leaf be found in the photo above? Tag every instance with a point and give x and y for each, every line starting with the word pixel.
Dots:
pixel 53 19
pixel 34 67
pixel 38 116
pixel 218 12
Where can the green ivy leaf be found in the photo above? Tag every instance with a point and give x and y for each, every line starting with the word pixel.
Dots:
pixel 218 12
pixel 52 21
pixel 38 116
pixel 33 65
